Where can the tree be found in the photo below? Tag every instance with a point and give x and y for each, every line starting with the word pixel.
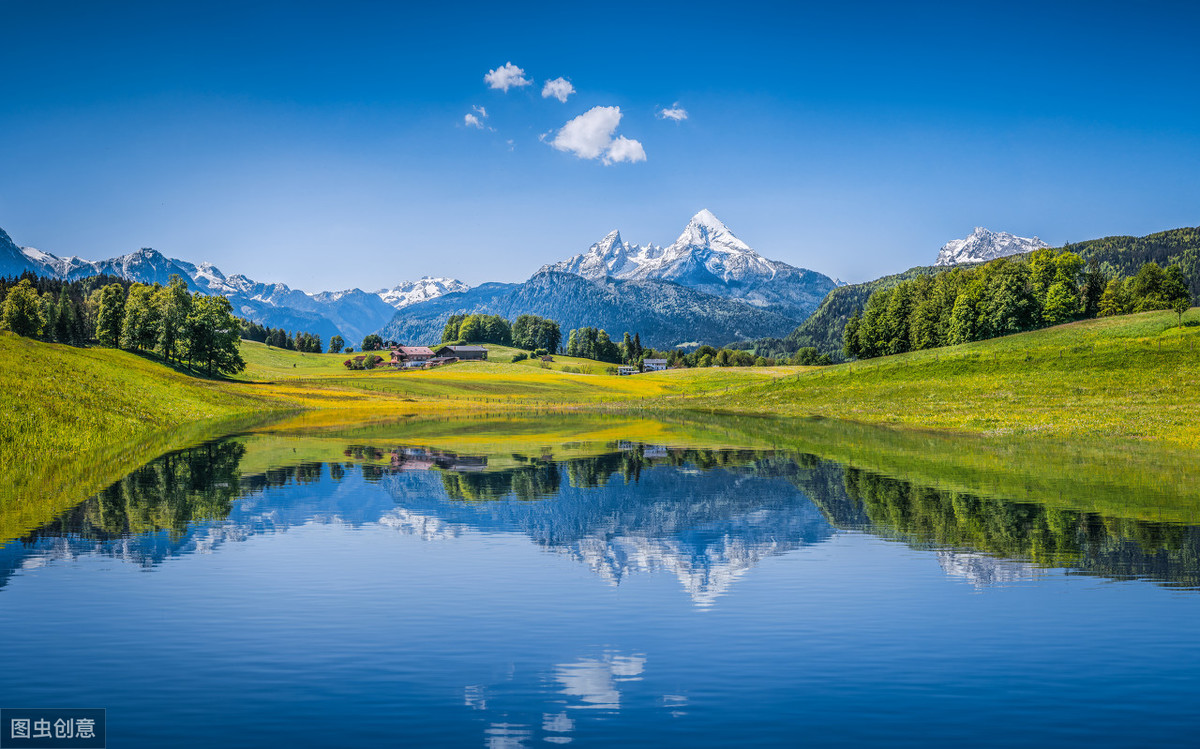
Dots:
pixel 1115 299
pixel 212 334
pixel 174 303
pixel 496 330
pixel 140 328
pixel 450 332
pixel 966 324
pixel 471 329
pixel 68 326
pixel 808 356
pixel 1011 305
pixel 1094 284
pixel 850 345
pixel 22 310
pixel 1174 285
pixel 110 317
pixel 336 344
pixel 1062 304
pixel 1042 270
pixel 49 312
pixel 372 343
pixel 1146 288
pixel 606 349
pixel 1179 306
pixel 627 353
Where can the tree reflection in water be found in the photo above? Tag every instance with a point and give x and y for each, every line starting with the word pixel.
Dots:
pixel 704 515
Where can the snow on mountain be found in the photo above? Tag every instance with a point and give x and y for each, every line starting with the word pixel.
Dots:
pixel 412 292
pixel 708 257
pixel 352 313
pixel 983 245
pixel 14 262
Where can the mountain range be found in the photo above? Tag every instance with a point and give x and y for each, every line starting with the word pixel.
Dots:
pixel 352 313
pixel 665 314
pixel 706 287
pixel 983 245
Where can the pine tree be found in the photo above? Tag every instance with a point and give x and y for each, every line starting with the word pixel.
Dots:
pixel 65 319
pixel 850 345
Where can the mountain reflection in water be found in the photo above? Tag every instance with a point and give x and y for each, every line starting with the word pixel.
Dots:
pixel 706 516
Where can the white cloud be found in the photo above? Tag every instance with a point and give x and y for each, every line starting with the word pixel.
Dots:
pixel 560 88
pixel 591 136
pixel 476 118
pixel 624 149
pixel 674 112
pixel 505 77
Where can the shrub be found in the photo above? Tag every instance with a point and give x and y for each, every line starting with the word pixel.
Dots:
pixel 519 356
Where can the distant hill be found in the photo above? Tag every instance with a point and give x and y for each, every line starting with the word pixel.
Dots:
pixel 664 313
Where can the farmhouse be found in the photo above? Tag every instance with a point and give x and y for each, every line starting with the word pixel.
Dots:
pixel 626 369
pixel 465 353
pixel 411 356
pixel 654 365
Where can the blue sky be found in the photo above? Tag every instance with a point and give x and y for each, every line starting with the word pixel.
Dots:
pixel 325 144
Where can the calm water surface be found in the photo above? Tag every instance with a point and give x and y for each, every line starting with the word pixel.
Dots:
pixel 392 595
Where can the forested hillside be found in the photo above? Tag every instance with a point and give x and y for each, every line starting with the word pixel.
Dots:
pixel 1114 257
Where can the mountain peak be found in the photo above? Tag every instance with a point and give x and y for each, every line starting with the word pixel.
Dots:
pixel 612 239
pixel 707 218
pixel 707 231
pixel 983 245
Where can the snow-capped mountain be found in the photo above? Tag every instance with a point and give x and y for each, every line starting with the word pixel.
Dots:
pixel 351 313
pixel 983 245
pixel 411 292
pixel 708 257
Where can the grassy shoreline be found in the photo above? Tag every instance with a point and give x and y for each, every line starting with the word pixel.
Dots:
pixel 72 419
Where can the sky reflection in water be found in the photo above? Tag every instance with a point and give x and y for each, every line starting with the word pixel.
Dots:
pixel 639 594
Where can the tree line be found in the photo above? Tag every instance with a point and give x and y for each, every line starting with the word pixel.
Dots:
pixel 528 332
pixel 595 343
pixel 309 343
pixel 183 327
pixel 1001 297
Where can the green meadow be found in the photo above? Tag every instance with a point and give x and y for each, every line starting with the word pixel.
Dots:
pixel 1120 391
pixel 1132 378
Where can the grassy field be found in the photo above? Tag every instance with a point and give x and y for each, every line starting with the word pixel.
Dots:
pixel 73 419
pixel 1125 378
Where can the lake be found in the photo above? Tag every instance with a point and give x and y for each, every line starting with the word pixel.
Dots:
pixel 553 580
